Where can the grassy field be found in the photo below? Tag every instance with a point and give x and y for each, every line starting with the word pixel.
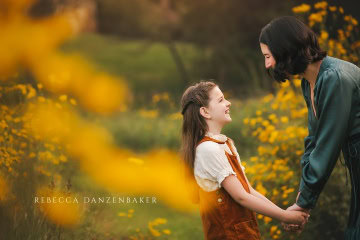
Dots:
pixel 148 67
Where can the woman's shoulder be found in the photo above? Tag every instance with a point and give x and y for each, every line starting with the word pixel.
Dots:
pixel 334 68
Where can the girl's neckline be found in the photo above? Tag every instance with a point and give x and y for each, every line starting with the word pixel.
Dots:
pixel 223 139
pixel 219 137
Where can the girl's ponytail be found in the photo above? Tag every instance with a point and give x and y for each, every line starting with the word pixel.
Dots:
pixel 194 126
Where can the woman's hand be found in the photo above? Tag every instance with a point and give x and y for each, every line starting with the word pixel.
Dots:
pixel 296 228
pixel 295 217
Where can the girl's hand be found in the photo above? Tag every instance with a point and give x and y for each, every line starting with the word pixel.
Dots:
pixel 295 217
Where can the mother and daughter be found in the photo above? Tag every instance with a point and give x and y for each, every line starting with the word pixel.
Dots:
pixel 331 90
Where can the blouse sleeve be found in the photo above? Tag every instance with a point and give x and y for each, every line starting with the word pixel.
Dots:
pixel 211 163
pixel 334 100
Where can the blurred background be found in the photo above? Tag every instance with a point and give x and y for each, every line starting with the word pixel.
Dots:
pixel 90 93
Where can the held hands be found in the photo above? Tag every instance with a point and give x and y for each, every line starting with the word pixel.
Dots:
pixel 295 216
pixel 298 227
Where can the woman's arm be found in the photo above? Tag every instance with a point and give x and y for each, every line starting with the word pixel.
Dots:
pixel 337 102
pixel 233 186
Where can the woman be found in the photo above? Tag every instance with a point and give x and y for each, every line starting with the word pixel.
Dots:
pixel 331 90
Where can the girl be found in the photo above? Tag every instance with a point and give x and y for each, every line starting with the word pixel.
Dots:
pixel 227 201
pixel 331 89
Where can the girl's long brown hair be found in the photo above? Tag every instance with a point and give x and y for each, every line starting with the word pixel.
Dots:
pixel 194 126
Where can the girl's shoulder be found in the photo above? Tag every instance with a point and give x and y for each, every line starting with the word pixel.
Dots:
pixel 208 146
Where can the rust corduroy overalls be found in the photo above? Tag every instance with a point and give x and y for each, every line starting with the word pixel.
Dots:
pixel 222 217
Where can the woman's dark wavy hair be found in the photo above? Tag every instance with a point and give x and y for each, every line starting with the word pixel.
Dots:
pixel 293 45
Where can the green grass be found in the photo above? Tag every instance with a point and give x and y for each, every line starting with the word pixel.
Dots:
pixel 147 67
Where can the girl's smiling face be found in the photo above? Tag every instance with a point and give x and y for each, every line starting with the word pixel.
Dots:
pixel 218 110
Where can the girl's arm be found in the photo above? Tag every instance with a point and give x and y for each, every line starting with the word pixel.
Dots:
pixel 233 186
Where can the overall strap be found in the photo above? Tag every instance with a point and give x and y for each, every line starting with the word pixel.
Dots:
pixel 230 147
pixel 206 138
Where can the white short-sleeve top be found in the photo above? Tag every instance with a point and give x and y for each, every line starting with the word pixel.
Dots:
pixel 211 165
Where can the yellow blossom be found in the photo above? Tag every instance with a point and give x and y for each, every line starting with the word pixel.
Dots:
pixel 315 17
pixel 332 8
pixel 284 119
pixel 167 231
pixel 273 229
pixel 267 219
pixel 321 5
pixel 324 35
pixel 63 98
pixel 302 8
pixel 121 214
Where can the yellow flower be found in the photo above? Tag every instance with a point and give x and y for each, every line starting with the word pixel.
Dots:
pixel 354 21
pixel 268 98
pixel 160 221
pixel 301 8
pixel 341 35
pixel 315 17
pixel 73 102
pixel 297 82
pixel 324 35
pixel 321 5
pixel 284 119
pixel 253 122
pixel 260 188
pixel 273 136
pixel 265 123
pixel 273 229
pixel 63 98
pixel 267 219
pixel 167 231
pixel 272 116
pixel 332 8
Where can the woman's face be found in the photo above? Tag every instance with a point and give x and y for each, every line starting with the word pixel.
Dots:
pixel 269 59
pixel 218 110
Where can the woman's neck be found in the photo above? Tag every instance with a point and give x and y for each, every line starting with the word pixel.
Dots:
pixel 312 72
